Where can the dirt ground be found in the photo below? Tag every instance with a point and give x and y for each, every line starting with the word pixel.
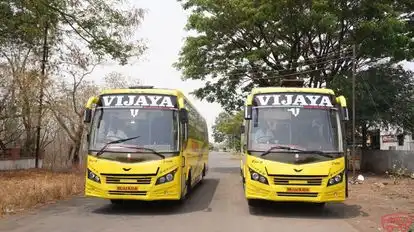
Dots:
pixel 378 196
pixel 26 189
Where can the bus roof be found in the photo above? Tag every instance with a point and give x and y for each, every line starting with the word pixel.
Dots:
pixel 174 92
pixel 260 90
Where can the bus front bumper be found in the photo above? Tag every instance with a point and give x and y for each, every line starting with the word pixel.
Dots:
pixel 314 194
pixel 166 191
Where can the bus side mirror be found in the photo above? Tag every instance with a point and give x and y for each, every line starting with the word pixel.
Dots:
pixel 248 112
pixel 87 116
pixel 345 114
pixel 183 116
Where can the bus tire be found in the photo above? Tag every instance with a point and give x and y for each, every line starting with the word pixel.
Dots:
pixel 184 197
pixel 189 187
pixel 204 171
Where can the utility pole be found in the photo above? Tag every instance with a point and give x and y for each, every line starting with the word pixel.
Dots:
pixel 42 82
pixel 234 141
pixel 353 108
pixel 242 138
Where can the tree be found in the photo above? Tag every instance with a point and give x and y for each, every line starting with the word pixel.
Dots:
pixel 100 25
pixel 70 37
pixel 227 129
pixel 384 96
pixel 67 101
pixel 117 80
pixel 243 44
pixel 68 106
pixel 10 131
pixel 211 147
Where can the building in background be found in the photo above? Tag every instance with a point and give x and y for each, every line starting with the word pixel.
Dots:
pixel 394 139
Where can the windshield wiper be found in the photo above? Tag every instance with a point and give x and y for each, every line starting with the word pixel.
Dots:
pixel 289 148
pixel 114 142
pixel 149 149
pixel 280 147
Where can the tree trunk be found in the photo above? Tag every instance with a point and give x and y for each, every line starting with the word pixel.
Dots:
pixel 77 145
pixel 70 152
pixel 76 150
pixel 2 146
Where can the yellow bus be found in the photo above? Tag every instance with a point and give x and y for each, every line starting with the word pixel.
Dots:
pixel 293 145
pixel 144 143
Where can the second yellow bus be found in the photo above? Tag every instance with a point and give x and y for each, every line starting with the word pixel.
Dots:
pixel 293 146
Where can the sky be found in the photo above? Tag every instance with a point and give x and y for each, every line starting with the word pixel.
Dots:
pixel 163 31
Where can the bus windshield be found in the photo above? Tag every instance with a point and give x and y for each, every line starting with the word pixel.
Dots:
pixel 302 128
pixel 157 129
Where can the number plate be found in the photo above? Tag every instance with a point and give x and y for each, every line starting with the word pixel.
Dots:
pixel 127 188
pixel 301 190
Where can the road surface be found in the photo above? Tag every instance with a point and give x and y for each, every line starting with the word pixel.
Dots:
pixel 217 205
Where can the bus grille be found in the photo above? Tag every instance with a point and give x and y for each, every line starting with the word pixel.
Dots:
pixel 286 194
pixel 298 180
pixel 126 179
pixel 136 193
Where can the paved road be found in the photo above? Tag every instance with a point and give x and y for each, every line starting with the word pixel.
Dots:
pixel 215 206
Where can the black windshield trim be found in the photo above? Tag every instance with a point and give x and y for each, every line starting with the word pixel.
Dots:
pixel 137 107
pixel 278 107
pixel 92 151
pixel 326 154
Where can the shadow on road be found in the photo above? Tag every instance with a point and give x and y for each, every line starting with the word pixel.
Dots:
pixel 303 210
pixel 198 200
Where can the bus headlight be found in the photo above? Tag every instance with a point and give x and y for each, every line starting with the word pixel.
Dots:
pixel 257 177
pixel 166 178
pixel 336 179
pixel 93 176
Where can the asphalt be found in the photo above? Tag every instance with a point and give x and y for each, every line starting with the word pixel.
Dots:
pixel 216 205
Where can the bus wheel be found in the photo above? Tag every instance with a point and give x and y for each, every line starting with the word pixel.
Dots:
pixel 204 171
pixel 189 187
pixel 116 202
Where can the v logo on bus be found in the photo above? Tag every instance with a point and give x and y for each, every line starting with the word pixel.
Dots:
pixel 134 112
pixel 294 111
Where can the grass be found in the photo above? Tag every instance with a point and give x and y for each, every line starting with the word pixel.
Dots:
pixel 26 189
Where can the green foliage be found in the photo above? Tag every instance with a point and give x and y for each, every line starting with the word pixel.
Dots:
pixel 23 23
pixel 211 147
pixel 104 26
pixel 227 129
pixel 100 25
pixel 384 95
pixel 242 44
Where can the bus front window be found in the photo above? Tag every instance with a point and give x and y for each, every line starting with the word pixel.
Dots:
pixel 157 129
pixel 307 129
